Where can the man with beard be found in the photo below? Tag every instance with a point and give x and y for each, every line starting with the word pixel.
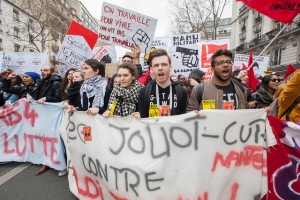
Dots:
pixel 221 92
pixel 48 91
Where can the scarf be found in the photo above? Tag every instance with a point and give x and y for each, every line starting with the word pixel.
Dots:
pixel 94 87
pixel 264 97
pixel 126 98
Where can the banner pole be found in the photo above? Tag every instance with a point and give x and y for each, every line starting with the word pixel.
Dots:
pixel 269 44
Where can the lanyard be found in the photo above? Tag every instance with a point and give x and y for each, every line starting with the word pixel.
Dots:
pixel 157 96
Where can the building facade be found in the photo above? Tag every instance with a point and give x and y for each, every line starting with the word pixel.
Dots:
pixel 252 31
pixel 222 31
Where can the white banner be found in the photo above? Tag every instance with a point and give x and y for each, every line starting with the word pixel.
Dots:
pixel 206 49
pixel 106 54
pixel 29 133
pixel 184 53
pixel 217 156
pixel 123 27
pixel 259 67
pixel 27 61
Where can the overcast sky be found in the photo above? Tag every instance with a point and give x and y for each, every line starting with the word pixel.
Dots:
pixel 153 8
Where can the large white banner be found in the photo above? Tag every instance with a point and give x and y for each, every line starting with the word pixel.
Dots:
pixel 184 53
pixel 29 133
pixel 106 54
pixel 123 27
pixel 217 156
pixel 206 49
pixel 27 61
pixel 259 67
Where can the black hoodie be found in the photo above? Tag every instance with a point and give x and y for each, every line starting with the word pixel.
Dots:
pixel 177 107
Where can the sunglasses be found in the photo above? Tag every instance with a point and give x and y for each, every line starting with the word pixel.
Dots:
pixel 274 80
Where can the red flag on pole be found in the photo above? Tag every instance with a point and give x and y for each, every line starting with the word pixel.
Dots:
pixel 281 10
pixel 253 81
pixel 289 71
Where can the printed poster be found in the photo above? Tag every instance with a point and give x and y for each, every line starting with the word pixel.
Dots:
pixel 106 54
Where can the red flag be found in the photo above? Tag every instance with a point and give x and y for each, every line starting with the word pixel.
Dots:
pixel 289 71
pixel 244 67
pixel 253 81
pixel 281 10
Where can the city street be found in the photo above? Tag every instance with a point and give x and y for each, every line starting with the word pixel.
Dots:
pixel 18 181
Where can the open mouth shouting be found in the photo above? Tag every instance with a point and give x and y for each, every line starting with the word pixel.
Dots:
pixel 225 72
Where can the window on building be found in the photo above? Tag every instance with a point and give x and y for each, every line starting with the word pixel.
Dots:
pixel 83 13
pixel 17 48
pixel 16 32
pixel 53 41
pixel 1 48
pixel 16 15
pixel 277 56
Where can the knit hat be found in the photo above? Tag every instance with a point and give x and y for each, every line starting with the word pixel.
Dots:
pixel 33 75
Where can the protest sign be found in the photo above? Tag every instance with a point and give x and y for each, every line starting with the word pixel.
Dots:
pixel 77 45
pixel 106 54
pixel 6 62
pixel 61 69
pixel 27 61
pixel 267 72
pixel 158 159
pixel 206 49
pixel 24 137
pixel 184 53
pixel 111 69
pixel 260 63
pixel 126 28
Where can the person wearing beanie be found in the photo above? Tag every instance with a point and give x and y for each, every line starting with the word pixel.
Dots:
pixel 30 87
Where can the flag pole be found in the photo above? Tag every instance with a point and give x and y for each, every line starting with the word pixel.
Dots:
pixel 269 44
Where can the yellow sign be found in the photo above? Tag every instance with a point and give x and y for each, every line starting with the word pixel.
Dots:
pixel 153 110
pixel 267 73
pixel 208 104
pixel 112 108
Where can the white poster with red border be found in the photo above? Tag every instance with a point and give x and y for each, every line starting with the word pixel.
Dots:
pixel 77 45
pixel 206 49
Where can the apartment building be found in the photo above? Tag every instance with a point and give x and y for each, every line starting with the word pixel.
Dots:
pixel 222 31
pixel 251 30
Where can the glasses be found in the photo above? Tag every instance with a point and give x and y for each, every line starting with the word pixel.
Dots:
pixel 222 62
pixel 274 80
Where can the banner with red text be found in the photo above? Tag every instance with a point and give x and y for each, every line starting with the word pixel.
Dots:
pixel 77 45
pixel 184 53
pixel 217 156
pixel 206 49
pixel 29 132
pixel 106 54
pixel 123 27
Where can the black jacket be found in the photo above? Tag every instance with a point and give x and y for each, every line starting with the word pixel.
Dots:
pixel 73 93
pixel 51 91
pixel 179 103
pixel 22 91
pixel 101 109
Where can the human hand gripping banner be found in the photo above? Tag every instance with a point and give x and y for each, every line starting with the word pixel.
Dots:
pixel 77 45
pixel 217 156
pixel 29 133
pixel 126 28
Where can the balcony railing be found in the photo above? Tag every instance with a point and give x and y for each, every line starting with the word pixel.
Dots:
pixel 268 36
pixel 242 9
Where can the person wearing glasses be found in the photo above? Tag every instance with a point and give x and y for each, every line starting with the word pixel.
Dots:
pixel 221 92
pixel 266 90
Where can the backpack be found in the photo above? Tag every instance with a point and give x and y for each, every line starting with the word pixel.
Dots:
pixel 274 108
pixel 148 89
pixel 200 89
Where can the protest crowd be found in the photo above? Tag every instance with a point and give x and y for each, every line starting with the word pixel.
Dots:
pixel 157 92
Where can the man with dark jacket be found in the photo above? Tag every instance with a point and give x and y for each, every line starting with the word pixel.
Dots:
pixel 48 91
pixel 49 87
pixel 162 96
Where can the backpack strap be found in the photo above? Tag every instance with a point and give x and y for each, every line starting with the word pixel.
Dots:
pixel 199 92
pixel 147 94
pixel 289 110
pixel 239 84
